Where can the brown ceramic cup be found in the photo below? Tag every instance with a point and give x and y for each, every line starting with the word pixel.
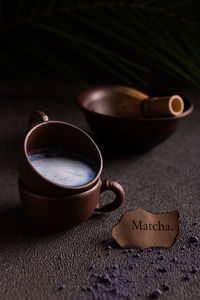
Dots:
pixel 66 211
pixel 77 201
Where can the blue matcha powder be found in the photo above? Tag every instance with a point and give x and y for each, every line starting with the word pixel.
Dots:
pixel 66 168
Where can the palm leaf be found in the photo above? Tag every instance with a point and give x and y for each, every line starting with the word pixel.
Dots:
pixel 86 42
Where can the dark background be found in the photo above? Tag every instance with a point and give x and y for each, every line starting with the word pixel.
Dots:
pixel 50 50
pixel 147 42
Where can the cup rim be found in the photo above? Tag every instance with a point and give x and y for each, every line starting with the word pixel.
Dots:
pixel 24 188
pixel 87 185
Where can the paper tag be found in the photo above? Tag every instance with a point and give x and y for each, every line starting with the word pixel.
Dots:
pixel 142 229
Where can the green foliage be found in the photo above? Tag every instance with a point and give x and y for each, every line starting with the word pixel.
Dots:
pixel 92 42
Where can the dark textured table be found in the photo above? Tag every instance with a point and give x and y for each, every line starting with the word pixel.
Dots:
pixel 35 264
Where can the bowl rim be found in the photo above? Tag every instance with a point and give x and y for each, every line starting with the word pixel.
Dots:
pixel 80 100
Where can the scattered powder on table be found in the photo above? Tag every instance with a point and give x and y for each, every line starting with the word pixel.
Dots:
pixel 62 287
pixel 117 281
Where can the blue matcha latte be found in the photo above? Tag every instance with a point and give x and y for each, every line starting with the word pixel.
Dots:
pixel 63 167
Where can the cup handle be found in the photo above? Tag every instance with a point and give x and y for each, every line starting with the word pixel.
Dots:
pixel 36 118
pixel 118 191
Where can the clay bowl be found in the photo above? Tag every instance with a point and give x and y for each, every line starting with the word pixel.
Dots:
pixel 132 134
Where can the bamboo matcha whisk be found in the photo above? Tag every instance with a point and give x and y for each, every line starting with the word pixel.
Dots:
pixel 133 103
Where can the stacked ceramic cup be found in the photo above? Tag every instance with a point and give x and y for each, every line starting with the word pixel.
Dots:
pixel 50 203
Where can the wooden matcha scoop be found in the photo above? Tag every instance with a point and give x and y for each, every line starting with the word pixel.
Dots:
pixel 133 103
